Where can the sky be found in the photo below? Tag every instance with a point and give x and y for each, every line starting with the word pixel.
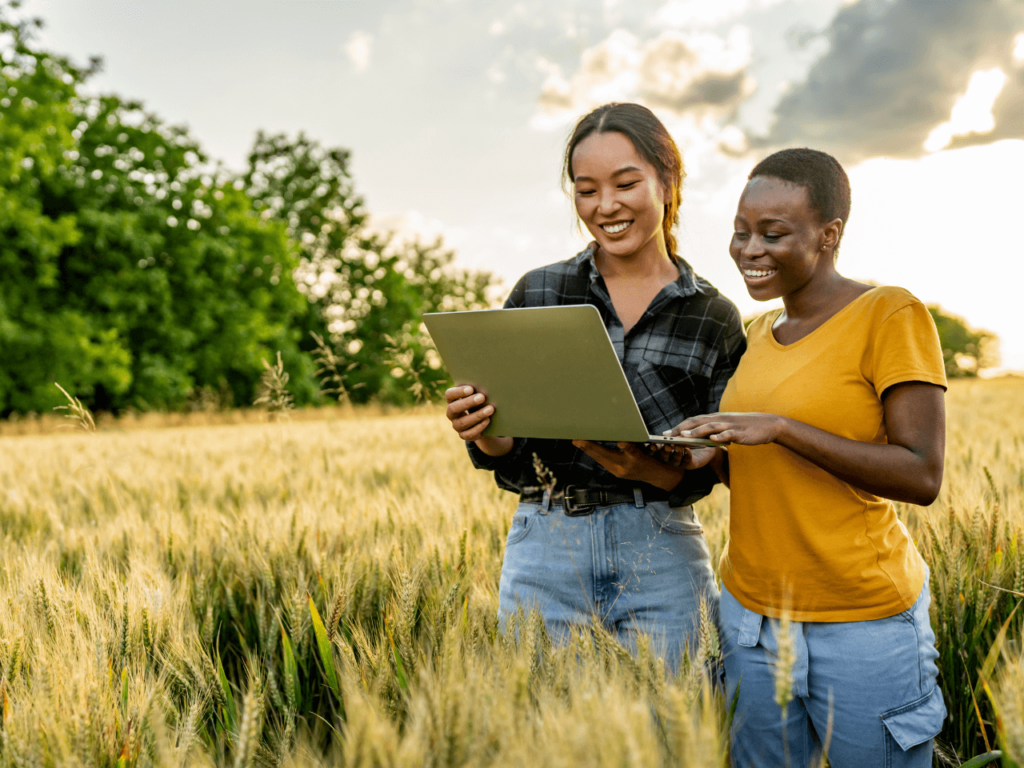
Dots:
pixel 456 113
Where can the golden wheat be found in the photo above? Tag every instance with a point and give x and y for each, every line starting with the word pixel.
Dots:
pixel 157 584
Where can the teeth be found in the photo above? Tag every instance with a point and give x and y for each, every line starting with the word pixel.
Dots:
pixel 614 229
pixel 758 272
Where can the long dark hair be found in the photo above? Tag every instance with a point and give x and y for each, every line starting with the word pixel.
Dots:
pixel 652 142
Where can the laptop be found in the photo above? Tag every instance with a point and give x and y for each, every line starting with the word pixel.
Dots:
pixel 551 372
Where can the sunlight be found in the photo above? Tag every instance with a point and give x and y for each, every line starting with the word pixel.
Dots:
pixel 973 112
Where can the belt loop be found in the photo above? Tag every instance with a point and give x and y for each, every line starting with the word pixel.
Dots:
pixel 638 498
pixel 545 503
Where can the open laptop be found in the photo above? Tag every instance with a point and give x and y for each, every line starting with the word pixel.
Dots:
pixel 550 372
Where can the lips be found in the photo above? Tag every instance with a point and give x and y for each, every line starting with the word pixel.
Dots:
pixel 616 228
pixel 754 276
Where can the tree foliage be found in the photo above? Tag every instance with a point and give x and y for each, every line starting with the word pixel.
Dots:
pixel 139 275
pixel 965 351
pixel 369 289
pixel 132 274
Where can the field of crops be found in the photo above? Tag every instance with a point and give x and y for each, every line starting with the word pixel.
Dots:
pixel 324 592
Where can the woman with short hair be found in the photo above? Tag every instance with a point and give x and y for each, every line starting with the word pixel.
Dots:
pixel 835 411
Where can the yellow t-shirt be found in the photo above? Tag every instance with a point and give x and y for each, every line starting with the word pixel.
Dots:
pixel 799 537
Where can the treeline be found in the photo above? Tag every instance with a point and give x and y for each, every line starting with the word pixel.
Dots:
pixel 140 275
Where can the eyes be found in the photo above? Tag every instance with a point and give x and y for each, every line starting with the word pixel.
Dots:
pixel 623 185
pixel 770 237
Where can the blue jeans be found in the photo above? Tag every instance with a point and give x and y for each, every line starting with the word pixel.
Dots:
pixel 635 569
pixel 869 685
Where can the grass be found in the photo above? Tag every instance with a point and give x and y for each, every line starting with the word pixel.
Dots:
pixel 324 592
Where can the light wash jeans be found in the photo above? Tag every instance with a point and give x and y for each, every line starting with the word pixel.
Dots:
pixel 636 569
pixel 870 685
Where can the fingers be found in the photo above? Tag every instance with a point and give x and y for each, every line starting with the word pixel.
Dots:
pixel 683 427
pixel 455 393
pixel 469 420
pixel 476 431
pixel 465 413
pixel 461 406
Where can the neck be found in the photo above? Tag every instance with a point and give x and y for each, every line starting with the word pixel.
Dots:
pixel 815 297
pixel 650 261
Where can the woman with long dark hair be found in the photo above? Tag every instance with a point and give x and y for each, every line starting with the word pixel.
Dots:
pixel 615 538
pixel 835 411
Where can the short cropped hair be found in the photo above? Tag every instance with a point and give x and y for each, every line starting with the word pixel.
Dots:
pixel 827 184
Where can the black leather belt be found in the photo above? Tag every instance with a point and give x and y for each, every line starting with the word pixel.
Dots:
pixel 579 502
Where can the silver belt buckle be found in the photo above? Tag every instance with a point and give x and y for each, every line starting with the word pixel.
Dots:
pixel 570 507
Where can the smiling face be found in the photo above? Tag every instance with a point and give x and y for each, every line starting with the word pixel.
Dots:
pixel 779 243
pixel 618 196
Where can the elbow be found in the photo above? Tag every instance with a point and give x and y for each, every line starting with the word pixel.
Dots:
pixel 927 488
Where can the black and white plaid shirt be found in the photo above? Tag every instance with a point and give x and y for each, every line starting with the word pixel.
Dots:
pixel 677 359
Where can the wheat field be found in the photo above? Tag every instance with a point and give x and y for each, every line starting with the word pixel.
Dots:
pixel 324 592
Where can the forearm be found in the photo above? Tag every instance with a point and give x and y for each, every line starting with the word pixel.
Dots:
pixel 494 446
pixel 891 471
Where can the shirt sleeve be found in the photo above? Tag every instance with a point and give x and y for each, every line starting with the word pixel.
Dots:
pixel 496 463
pixel 906 348
pixel 698 483
pixel 734 344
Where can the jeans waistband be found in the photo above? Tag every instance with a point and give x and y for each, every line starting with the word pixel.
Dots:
pixel 578 501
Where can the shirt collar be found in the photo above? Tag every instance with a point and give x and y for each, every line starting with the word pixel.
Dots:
pixel 685 284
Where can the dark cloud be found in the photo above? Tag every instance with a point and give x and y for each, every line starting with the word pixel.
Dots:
pixel 893 72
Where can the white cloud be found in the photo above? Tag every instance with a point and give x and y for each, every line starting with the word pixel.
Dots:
pixel 687 14
pixel 973 111
pixel 358 48
pixel 677 71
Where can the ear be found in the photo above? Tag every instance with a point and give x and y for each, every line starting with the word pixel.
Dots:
pixel 831 233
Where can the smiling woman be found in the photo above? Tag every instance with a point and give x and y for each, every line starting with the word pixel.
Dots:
pixel 609 532
pixel 835 411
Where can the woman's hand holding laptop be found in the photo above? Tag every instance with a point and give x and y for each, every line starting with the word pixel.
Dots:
pixel 470 413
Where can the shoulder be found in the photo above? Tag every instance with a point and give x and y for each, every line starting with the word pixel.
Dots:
pixel 761 325
pixel 564 282
pixel 714 304
pixel 884 301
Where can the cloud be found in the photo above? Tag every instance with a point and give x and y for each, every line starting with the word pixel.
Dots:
pixel 901 74
pixel 676 72
pixel 358 48
pixel 687 14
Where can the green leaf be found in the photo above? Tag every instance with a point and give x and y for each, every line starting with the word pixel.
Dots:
pixel 989 665
pixel 230 714
pixel 403 682
pixel 124 689
pixel 324 647
pixel 980 760
pixel 291 672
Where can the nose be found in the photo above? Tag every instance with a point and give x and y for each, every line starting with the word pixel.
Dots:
pixel 607 202
pixel 752 248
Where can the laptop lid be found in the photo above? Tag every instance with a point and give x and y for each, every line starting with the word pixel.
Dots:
pixel 550 372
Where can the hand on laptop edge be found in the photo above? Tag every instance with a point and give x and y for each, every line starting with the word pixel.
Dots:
pixel 470 413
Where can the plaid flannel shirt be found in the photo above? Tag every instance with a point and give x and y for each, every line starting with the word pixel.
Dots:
pixel 677 359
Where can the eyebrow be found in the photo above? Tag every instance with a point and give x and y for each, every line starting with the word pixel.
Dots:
pixel 619 172
pixel 764 221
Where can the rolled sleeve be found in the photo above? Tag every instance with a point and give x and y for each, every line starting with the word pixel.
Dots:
pixel 496 463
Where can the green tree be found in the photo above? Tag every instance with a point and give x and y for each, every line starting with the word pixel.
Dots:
pixel 965 351
pixel 134 273
pixel 369 290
